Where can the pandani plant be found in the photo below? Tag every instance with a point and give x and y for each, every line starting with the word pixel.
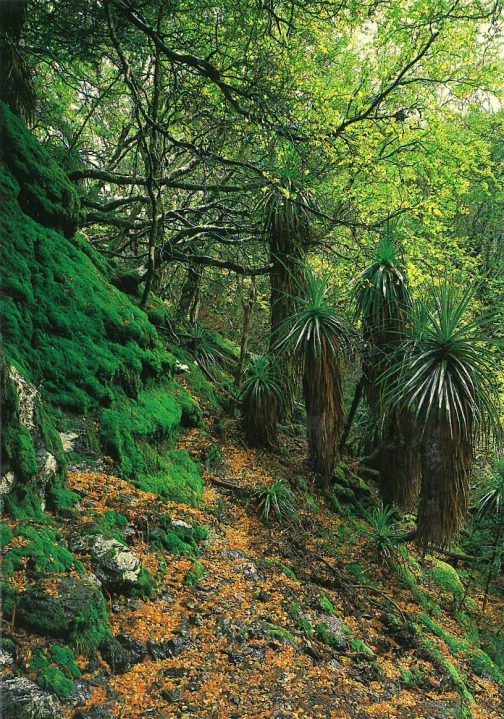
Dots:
pixel 318 335
pixel 260 397
pixel 286 211
pixel 444 374
pixel 384 305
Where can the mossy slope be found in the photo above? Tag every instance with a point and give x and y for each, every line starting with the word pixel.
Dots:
pixel 74 335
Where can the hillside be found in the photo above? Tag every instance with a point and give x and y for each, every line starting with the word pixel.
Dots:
pixel 142 576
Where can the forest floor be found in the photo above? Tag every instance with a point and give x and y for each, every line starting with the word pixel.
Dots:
pixel 286 620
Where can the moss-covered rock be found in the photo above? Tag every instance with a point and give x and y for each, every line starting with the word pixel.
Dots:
pixel 44 191
pixel 446 578
pixel 67 608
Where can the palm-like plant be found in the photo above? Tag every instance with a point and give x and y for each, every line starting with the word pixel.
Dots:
pixel 317 334
pixel 260 397
pixel 444 376
pixel 276 500
pixel 286 224
pixel 383 303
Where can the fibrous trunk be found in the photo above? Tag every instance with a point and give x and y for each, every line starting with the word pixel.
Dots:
pixel 446 461
pixel 287 279
pixel 399 460
pixel 260 421
pixel 324 410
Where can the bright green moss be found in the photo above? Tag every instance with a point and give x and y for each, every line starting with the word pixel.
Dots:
pixel 176 539
pixel 145 586
pixel 173 476
pixel 296 612
pixel 5 535
pixel 63 322
pixel 196 573
pixel 53 680
pixel 200 385
pixel 110 525
pixel 362 648
pixel 326 604
pixel 44 551
pixel 45 192
pixel 446 578
pixel 274 632
pixel 65 659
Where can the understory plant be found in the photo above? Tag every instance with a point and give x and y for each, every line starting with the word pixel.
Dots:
pixel 260 398
pixel 443 374
pixel 319 336
pixel 277 501
pixel 286 211
pixel 384 305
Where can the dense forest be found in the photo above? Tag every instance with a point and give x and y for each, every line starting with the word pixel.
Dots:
pixel 252 274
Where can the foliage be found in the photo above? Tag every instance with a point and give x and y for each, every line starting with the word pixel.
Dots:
pixel 318 335
pixel 276 501
pixel 260 398
pixel 384 531
pixel 445 376
pixel 42 549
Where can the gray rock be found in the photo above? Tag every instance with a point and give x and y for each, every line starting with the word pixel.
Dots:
pixel 169 649
pixel 136 649
pixel 115 654
pixel 23 699
pixel 115 564
pixel 6 658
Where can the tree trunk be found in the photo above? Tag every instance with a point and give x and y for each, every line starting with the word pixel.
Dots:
pixel 446 458
pixel 399 460
pixel 325 412
pixel 287 258
pixel 248 305
pixel 188 306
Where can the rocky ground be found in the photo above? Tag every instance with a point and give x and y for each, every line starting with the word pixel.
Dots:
pixel 300 618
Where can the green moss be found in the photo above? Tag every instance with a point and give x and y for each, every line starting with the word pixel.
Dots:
pixel 43 549
pixel 110 525
pixel 455 675
pixel 63 498
pixel 177 539
pixel 362 648
pixel 174 476
pixel 81 619
pixel 45 192
pixel 312 503
pixel 6 535
pixel 296 612
pixel 343 494
pixel 326 604
pixel 196 573
pixel 53 680
pixel 274 632
pixel 9 597
pixel 201 387
pixel 63 322
pixel 145 585
pixel 446 578
pixel 325 635
pixel 65 659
